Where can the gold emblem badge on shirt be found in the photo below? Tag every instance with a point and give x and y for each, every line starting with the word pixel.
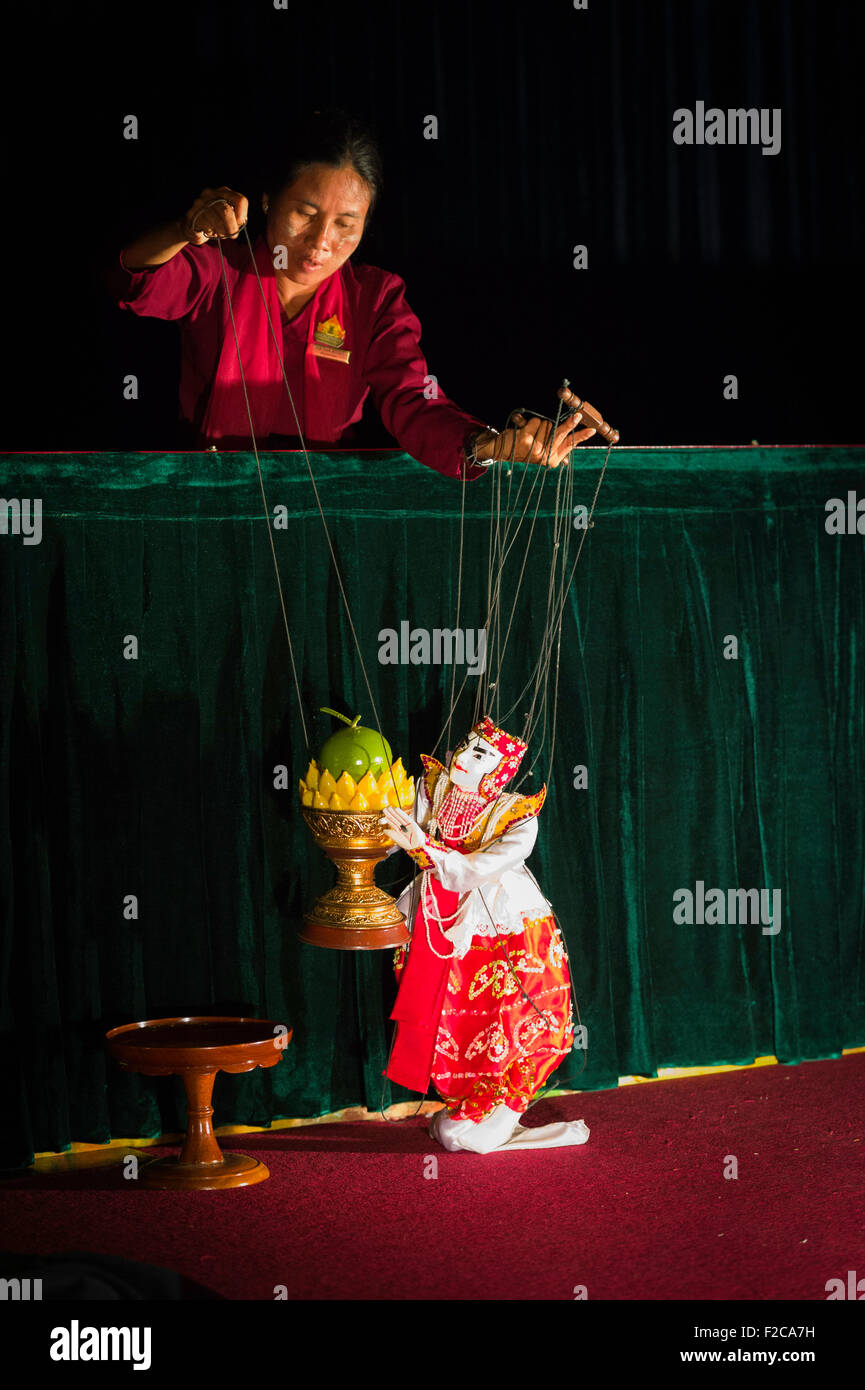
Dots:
pixel 328 339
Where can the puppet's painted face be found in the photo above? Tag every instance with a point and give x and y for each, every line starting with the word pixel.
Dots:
pixel 319 219
pixel 473 761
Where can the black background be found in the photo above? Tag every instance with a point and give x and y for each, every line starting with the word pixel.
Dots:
pixel 555 128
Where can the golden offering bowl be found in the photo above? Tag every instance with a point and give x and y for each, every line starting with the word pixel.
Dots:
pixel 354 915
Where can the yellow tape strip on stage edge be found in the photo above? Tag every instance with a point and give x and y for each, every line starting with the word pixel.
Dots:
pixel 99 1155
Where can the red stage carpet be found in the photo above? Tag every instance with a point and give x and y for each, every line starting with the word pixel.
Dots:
pixel 642 1211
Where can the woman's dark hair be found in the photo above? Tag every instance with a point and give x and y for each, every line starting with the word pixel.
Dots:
pixel 332 137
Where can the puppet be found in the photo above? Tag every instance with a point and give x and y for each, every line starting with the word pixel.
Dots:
pixel 484 1001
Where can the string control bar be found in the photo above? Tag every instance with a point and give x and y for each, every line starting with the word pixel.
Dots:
pixel 591 417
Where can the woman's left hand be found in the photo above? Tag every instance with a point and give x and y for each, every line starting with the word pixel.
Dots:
pixel 536 441
pixel 404 831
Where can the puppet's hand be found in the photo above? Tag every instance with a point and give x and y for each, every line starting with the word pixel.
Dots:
pixel 401 828
pixel 536 441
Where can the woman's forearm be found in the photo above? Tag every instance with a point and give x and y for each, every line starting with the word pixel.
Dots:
pixel 156 247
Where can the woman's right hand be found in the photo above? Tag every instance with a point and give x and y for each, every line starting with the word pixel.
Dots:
pixel 211 218
pixel 535 441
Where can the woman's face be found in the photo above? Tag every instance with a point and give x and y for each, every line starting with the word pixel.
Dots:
pixel 319 219
pixel 472 763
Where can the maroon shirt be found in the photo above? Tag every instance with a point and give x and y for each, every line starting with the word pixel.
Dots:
pixel 386 361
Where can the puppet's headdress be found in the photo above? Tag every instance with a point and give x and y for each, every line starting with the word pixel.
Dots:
pixel 512 749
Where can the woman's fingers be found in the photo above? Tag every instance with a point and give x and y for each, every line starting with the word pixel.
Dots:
pixel 539 441
pixel 525 443
pixel 236 214
pixel 197 226
pixel 562 451
pixel 217 212
pixel 568 435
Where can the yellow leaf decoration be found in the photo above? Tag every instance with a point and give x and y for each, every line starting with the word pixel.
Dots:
pixel 322 791
pixel 346 786
pixel 326 785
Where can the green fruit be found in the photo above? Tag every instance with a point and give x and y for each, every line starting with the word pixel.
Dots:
pixel 354 750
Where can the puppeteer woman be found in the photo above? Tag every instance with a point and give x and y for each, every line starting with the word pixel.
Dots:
pixel 483 1008
pixel 338 331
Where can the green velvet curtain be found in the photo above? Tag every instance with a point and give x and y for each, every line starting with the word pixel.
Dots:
pixel 154 777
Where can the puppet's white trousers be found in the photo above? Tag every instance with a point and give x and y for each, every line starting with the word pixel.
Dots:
pixel 502 1132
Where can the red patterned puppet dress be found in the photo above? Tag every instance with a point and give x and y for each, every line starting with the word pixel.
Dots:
pixel 484 1003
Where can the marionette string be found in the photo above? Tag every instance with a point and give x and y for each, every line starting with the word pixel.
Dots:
pixel 507 520
pixel 561 542
pixel 558 569
pixel 264 497
pixel 553 637
pixel 501 541
pixel 337 571
pixel 500 647
pixel 456 695
pixel 499 549
pixel 445 733
pixel 499 650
